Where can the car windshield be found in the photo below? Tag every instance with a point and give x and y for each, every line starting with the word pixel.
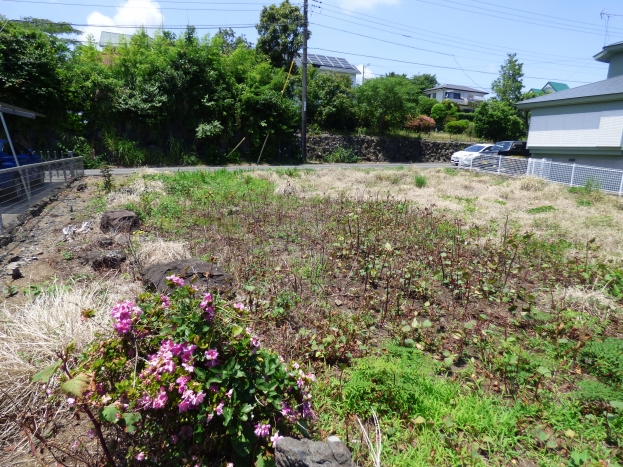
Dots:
pixel 474 148
pixel 503 146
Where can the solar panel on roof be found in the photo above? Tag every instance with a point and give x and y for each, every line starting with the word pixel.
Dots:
pixel 331 62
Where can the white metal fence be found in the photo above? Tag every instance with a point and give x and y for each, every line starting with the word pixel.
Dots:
pixel 609 180
pixel 22 187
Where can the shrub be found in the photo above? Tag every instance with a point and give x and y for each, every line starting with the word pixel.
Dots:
pixel 341 155
pixel 541 210
pixel 420 124
pixel 469 116
pixel 420 181
pixel 457 127
pixel 183 379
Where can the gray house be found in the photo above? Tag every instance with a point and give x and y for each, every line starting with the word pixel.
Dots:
pixel 583 124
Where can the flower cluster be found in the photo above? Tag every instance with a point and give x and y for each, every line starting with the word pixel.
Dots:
pixel 124 314
pixel 178 281
pixel 262 431
pixel 163 360
pixel 207 306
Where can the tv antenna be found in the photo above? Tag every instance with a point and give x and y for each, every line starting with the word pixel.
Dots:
pixel 608 16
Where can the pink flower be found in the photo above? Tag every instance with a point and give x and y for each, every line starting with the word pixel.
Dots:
pixel 174 439
pixel 194 288
pixel 71 401
pixel 219 408
pixel 275 438
pixel 255 343
pixel 160 400
pixel 207 306
pixel 178 281
pixel 75 445
pixel 211 357
pixel 166 303
pixel 229 393
pixel 182 381
pixel 188 368
pixel 124 314
pixel 190 400
pixel 262 431
pixel 213 388
pixel 239 306
pixel 90 434
pixel 186 352
pixel 140 456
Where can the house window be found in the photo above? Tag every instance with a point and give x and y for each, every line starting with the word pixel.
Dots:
pixel 453 95
pixel 432 96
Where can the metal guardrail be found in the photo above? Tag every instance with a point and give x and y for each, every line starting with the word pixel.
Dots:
pixel 572 175
pixel 22 187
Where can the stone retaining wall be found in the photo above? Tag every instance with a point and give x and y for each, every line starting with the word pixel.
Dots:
pixel 384 148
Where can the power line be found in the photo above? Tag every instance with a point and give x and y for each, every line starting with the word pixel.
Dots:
pixel 433 66
pixel 444 36
pixel 90 5
pixel 500 52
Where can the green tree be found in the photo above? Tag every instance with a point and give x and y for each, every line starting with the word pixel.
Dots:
pixel 496 120
pixel 231 41
pixel 385 103
pixel 426 104
pixel 509 84
pixel 280 33
pixel 444 112
pixel 424 81
pixel 331 102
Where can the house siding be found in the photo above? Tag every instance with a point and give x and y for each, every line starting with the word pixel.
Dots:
pixel 590 134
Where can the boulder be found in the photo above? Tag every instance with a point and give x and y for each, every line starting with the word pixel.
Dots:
pixel 122 239
pixel 104 242
pixel 110 259
pixel 209 277
pixel 119 221
pixel 291 452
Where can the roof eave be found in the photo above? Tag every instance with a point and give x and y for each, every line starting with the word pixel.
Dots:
pixel 527 105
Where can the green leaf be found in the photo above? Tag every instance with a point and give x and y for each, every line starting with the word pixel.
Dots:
pixel 44 375
pixel 617 404
pixel 487 439
pixel 109 413
pixel 406 328
pixel 237 330
pixel 419 420
pixel 246 408
pixel 77 385
pixel 427 324
pixel 544 371
pixel 570 434
pixel 130 421
pixel 201 374
pixel 228 413
pixel 552 444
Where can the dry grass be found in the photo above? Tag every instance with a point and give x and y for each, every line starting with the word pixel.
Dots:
pixel 476 198
pixel 157 250
pixel 131 193
pixel 32 335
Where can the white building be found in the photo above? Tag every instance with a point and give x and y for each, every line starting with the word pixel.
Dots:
pixel 461 95
pixel 583 124
pixel 334 65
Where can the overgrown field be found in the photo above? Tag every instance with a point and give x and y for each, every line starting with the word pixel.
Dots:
pixel 479 317
pixel 480 332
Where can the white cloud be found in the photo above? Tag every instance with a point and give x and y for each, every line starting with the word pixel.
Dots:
pixel 366 4
pixel 135 13
pixel 369 73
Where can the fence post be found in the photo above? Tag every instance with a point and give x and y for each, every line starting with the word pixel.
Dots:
pixel 572 175
pixel 621 185
pixel 499 164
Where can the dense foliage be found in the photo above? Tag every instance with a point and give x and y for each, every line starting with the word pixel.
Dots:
pixel 185 382
pixel 496 121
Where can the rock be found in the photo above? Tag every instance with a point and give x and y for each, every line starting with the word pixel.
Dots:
pixel 16 273
pixel 305 453
pixel 119 221
pixel 122 239
pixel 104 242
pixel 110 259
pixel 209 276
pixel 81 186
pixel 14 259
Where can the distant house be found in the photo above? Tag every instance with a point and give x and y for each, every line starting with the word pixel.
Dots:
pixel 333 65
pixel 461 95
pixel 549 88
pixel 583 124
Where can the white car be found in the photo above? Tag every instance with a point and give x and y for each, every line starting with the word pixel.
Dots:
pixel 466 155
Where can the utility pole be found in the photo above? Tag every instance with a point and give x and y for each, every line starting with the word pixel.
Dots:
pixel 363 76
pixel 304 97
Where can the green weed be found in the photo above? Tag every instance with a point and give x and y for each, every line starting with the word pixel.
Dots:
pixel 541 210
pixel 420 181
pixel 341 155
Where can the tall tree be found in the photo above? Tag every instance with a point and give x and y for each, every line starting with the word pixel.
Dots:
pixel 496 121
pixel 424 81
pixel 231 41
pixel 509 84
pixel 280 33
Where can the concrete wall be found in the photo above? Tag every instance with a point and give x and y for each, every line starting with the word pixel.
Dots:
pixel 384 148
pixel 616 66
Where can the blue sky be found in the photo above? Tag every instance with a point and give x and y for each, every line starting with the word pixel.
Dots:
pixel 461 41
